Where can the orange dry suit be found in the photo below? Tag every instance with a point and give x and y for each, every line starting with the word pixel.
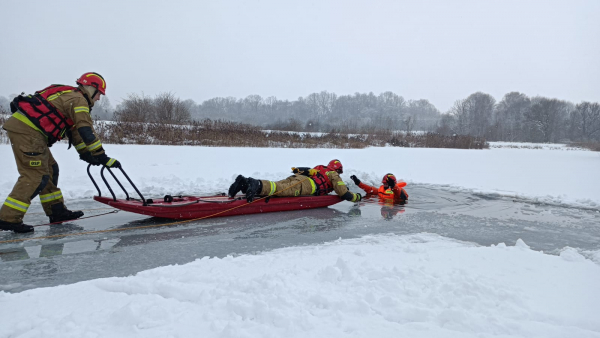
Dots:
pixel 387 195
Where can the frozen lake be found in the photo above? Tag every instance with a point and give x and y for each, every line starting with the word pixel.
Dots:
pixel 484 219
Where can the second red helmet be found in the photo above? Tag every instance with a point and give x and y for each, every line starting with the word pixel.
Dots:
pixel 389 176
pixel 336 165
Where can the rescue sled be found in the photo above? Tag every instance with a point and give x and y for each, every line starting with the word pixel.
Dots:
pixel 192 207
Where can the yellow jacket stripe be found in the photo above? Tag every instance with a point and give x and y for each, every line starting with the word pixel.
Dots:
pixel 80 146
pixel 52 97
pixel 95 145
pixel 17 205
pixel 81 110
pixel 19 116
pixel 53 196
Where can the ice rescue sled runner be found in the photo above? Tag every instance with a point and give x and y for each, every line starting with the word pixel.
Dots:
pixel 190 207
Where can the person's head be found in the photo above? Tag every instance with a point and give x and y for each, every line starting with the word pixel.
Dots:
pixel 94 85
pixel 336 165
pixel 389 181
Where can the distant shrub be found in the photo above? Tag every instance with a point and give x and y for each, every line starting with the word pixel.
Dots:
pixel 218 133
pixel 593 146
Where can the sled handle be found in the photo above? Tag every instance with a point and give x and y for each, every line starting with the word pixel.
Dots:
pixel 118 182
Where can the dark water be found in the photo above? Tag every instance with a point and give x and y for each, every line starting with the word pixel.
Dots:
pixel 482 219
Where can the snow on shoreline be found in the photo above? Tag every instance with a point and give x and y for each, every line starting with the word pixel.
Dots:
pixel 543 175
pixel 377 286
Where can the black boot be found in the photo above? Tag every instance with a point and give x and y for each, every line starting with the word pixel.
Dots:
pixel 16 227
pixel 60 213
pixel 254 188
pixel 240 184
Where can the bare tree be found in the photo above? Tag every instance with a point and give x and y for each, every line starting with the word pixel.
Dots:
pixel 169 109
pixel 545 118
pixel 510 115
pixel 4 104
pixel 102 109
pixel 135 109
pixel 586 121
pixel 481 108
pixel 460 111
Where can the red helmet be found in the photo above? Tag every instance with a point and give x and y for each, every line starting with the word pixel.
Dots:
pixel 93 79
pixel 389 176
pixel 336 165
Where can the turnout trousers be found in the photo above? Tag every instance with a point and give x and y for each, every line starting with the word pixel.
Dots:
pixel 296 185
pixel 38 175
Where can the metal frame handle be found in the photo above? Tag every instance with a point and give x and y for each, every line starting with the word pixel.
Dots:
pixel 118 182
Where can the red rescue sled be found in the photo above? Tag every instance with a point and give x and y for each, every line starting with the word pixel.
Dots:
pixel 191 207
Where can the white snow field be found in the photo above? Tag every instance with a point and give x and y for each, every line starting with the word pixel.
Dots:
pixel 419 285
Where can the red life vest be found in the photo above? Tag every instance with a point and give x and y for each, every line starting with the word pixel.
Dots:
pixel 42 113
pixel 322 181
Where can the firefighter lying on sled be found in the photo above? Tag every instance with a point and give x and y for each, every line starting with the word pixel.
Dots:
pixel 38 121
pixel 320 180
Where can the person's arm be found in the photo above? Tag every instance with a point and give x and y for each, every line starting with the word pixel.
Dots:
pixel 341 189
pixel 370 190
pixel 399 193
pixel 84 136
pixel 367 188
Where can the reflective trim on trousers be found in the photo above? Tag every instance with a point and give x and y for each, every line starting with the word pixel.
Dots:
pixel 53 196
pixel 17 205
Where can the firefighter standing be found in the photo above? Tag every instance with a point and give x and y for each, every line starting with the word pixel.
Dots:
pixel 320 180
pixel 38 121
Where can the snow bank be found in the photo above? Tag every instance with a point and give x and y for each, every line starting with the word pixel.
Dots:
pixel 375 286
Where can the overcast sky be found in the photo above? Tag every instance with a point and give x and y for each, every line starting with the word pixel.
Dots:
pixel 436 50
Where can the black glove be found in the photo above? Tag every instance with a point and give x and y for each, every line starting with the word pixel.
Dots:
pixel 107 161
pixel 391 183
pixel 87 157
pixel 355 179
pixel 301 170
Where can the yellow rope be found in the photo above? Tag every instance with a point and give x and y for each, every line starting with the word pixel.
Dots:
pixel 43 213
pixel 146 226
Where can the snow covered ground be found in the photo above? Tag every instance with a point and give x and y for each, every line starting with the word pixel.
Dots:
pixel 377 286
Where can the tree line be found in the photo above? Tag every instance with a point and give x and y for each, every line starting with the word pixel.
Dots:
pixel 516 117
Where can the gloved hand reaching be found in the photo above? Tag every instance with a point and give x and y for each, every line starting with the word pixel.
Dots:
pixel 87 157
pixel 107 161
pixel 391 183
pixel 306 171
pixel 355 179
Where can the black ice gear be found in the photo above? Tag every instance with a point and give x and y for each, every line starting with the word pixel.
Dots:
pixel 254 188
pixel 240 184
pixel 16 227
pixel 60 213
pixel 355 179
pixel 391 183
pixel 87 157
